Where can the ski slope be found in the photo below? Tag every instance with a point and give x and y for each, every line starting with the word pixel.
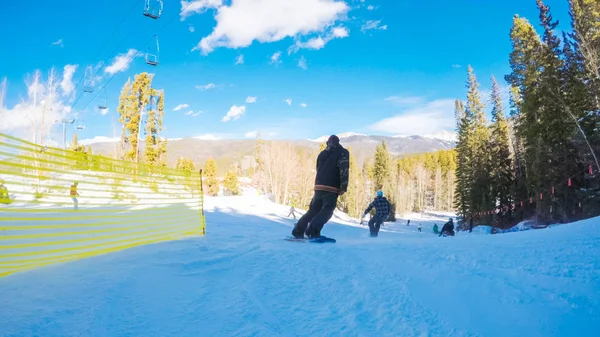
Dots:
pixel 243 279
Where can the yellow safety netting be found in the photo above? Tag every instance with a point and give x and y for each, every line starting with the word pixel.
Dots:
pixel 60 205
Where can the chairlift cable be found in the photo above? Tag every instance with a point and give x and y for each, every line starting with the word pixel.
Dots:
pixel 103 63
pixel 106 43
pixel 131 57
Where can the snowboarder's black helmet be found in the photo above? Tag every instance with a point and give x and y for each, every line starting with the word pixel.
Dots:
pixel 333 140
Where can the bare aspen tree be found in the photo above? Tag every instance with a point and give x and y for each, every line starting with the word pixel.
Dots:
pixel 278 166
pixel 437 194
pixel 450 190
pixel 422 178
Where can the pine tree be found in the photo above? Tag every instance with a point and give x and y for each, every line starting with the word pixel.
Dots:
pixel 526 67
pixel 322 146
pixel 210 174
pixel 230 183
pixel 185 164
pixel 502 179
pixel 585 22
pixel 463 166
pixel 81 154
pixel 350 199
pixel 582 94
pixel 381 166
pixel 155 146
pixel 479 147
pixel 135 99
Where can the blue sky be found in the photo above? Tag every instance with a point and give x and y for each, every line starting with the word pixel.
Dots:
pixel 372 66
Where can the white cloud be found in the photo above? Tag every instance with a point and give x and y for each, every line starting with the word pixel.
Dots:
pixel 456 66
pixel 251 134
pixel 302 63
pixel 373 24
pixel 405 100
pixel 420 119
pixel 37 114
pixel 192 113
pixel 66 84
pixel 191 29
pixel 206 86
pixel 181 106
pixel 251 99
pixel 275 58
pixel 58 42
pixel 370 7
pixel 256 134
pixel 244 21
pixel 340 32
pixel 208 136
pixel 234 113
pixel 239 60
pixel 188 8
pixel 99 139
pixel 288 101
pixel 304 105
pixel 122 62
pixel 319 42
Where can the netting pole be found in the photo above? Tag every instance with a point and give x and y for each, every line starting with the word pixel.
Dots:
pixel 202 218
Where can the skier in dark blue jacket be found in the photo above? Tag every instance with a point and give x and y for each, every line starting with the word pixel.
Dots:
pixel 382 211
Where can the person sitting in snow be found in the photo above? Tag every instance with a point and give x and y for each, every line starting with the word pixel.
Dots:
pixel 382 212
pixel 448 228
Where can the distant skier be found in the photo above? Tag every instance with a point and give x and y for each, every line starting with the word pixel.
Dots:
pixel 74 195
pixel 419 227
pixel 4 197
pixel 382 212
pixel 448 228
pixel 292 212
pixel 435 228
pixel 331 181
pixel 408 223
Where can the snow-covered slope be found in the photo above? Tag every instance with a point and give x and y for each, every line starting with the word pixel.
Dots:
pixel 242 279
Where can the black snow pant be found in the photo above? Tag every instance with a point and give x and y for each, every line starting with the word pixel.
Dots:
pixel 374 225
pixel 319 212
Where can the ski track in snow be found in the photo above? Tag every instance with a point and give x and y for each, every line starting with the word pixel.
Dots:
pixel 243 279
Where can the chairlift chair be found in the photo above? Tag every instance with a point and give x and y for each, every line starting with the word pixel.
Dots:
pixel 88 80
pixel 103 100
pixel 80 124
pixel 153 8
pixel 152 59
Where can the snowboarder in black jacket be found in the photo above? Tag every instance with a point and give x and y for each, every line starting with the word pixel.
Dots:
pixel 448 228
pixel 331 181
pixel 382 212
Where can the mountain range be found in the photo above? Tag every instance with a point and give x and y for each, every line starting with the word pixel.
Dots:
pixel 228 151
